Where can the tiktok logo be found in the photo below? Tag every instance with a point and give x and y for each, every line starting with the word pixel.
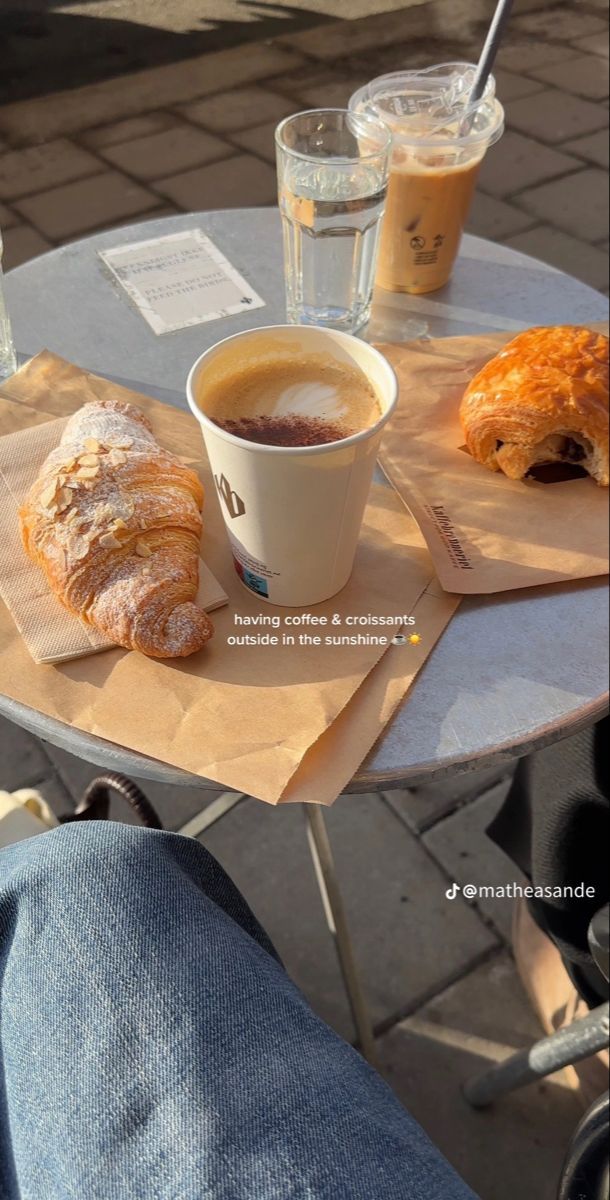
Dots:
pixel 453 892
pixel 233 503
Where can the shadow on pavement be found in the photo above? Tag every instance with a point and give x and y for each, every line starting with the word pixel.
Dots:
pixel 45 51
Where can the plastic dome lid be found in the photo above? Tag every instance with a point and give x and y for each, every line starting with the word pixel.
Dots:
pixel 432 105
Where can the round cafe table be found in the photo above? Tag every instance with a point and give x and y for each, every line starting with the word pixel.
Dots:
pixel 511 673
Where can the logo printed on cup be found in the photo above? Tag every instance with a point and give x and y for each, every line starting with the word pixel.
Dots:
pixel 233 503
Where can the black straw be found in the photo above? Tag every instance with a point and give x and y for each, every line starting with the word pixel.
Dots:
pixel 490 50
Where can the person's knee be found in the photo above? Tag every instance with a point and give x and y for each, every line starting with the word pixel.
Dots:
pixel 63 860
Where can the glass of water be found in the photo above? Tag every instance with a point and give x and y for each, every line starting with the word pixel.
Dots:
pixel 8 361
pixel 333 170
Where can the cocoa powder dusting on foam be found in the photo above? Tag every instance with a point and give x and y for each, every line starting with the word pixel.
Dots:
pixel 292 430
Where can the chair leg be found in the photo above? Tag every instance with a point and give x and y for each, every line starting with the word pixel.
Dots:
pixel 213 813
pixel 326 875
pixel 562 1049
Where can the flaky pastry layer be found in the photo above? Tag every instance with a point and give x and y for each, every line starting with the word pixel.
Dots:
pixel 543 399
pixel 114 521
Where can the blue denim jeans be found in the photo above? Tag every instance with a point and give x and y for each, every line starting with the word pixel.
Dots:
pixel 152 1046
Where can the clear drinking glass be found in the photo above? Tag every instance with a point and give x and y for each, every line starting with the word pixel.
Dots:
pixel 8 361
pixel 332 181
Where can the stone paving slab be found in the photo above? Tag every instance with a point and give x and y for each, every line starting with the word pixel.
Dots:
pixel 23 760
pixel 587 76
pixel 7 217
pixel 21 243
pixel 398 918
pixel 518 162
pixel 515 1148
pixel 556 116
pixel 128 130
pixel 422 52
pixel 519 53
pixel 57 796
pixel 594 45
pixel 320 86
pixel 23 172
pixel 460 844
pixel 238 109
pixel 421 807
pixel 510 86
pixel 243 180
pixel 78 208
pixel 593 147
pixel 340 39
pixel 131 95
pixel 172 150
pixel 260 140
pixel 570 254
pixel 565 23
pixel 577 204
pixel 495 219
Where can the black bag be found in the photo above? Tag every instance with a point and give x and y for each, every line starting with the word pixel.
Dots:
pixel 95 804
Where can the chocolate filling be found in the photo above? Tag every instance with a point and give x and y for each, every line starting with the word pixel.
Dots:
pixel 570 451
pixel 573 451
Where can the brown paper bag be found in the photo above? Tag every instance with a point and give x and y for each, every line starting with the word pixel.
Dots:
pixel 485 532
pixel 246 716
pixel 50 632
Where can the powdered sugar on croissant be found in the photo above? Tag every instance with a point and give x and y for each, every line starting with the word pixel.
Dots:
pixel 114 521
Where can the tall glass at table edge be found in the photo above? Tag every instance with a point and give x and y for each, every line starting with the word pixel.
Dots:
pixel 8 359
pixel 333 168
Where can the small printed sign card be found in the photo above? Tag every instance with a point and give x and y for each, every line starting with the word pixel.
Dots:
pixel 180 280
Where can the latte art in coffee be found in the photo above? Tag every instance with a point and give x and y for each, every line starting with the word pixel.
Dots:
pixel 305 401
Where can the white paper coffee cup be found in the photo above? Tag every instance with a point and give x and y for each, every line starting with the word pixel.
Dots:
pixel 293 513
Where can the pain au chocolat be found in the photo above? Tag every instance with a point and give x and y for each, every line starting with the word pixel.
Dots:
pixel 543 399
pixel 114 521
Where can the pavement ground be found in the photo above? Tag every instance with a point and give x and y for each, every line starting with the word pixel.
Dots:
pixel 151 142
pixel 190 128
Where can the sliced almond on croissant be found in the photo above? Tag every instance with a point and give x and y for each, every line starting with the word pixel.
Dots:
pixel 64 499
pixel 101 576
pixel 48 496
pixel 109 542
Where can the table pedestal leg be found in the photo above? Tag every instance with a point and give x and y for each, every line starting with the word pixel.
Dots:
pixel 324 866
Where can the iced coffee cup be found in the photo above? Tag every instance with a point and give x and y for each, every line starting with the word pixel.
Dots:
pixel 292 418
pixel 439 143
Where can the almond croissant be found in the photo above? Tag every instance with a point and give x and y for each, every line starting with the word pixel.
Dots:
pixel 115 523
